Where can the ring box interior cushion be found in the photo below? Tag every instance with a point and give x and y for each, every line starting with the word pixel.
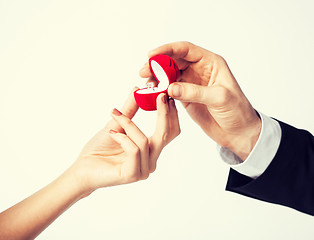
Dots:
pixel 165 71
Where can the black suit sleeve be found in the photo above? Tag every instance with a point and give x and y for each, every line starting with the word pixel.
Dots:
pixel 289 179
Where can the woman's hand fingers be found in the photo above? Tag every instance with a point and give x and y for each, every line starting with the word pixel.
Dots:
pixel 167 128
pixel 129 109
pixel 174 124
pixel 158 140
pixel 162 123
pixel 167 125
pixel 136 135
pixel 131 169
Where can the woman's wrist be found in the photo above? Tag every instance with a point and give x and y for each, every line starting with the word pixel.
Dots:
pixel 76 180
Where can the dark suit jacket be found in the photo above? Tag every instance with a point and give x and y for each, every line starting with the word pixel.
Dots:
pixel 289 179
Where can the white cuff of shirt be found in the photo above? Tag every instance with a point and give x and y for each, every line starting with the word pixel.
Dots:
pixel 261 155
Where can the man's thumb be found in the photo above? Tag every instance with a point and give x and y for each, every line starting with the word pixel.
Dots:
pixel 188 92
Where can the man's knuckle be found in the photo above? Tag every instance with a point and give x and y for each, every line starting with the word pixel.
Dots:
pixel 223 96
pixel 220 60
pixel 194 93
pixel 165 137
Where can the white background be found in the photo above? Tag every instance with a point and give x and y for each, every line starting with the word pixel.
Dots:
pixel 65 64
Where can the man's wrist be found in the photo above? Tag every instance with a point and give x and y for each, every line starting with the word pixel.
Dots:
pixel 261 155
pixel 243 144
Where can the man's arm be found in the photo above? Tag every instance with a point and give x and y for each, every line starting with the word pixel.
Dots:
pixel 261 155
pixel 214 100
pixel 289 178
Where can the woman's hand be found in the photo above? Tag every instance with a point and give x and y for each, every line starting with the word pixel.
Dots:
pixel 120 153
pixel 212 96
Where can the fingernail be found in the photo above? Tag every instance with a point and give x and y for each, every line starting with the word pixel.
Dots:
pixel 116 112
pixel 164 99
pixel 112 131
pixel 177 90
pixel 171 101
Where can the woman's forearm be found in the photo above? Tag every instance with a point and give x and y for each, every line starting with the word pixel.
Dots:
pixel 110 158
pixel 31 216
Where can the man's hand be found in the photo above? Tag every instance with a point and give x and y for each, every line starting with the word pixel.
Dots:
pixel 212 96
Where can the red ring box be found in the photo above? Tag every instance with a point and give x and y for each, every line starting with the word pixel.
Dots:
pixel 166 71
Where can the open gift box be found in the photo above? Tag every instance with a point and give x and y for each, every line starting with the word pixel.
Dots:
pixel 165 71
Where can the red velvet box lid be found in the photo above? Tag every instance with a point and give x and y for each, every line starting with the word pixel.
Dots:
pixel 165 71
